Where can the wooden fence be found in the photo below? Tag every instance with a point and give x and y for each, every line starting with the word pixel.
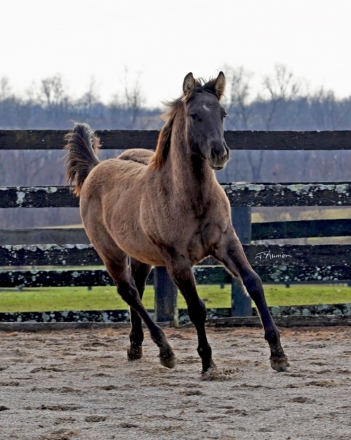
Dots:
pixel 63 248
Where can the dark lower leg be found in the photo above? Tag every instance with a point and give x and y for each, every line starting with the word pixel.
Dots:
pixel 140 272
pixel 130 295
pixel 254 287
pixel 136 336
pixel 197 314
pixel 185 281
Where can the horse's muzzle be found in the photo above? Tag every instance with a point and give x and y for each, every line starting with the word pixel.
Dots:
pixel 218 154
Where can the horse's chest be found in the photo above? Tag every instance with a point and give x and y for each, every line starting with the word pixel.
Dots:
pixel 203 241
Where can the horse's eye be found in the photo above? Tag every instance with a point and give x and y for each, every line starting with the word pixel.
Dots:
pixel 194 116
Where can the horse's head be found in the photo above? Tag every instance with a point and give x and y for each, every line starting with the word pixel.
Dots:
pixel 204 119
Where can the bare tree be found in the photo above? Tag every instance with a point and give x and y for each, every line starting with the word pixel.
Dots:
pixel 90 97
pixel 52 90
pixel 7 113
pixel 237 99
pixel 279 89
pixel 328 112
pixel 54 98
pixel 5 88
pixel 25 107
pixel 127 108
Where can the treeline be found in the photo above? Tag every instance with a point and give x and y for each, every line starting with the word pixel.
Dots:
pixel 49 106
pixel 283 102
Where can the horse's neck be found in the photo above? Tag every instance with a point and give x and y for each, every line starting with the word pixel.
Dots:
pixel 191 176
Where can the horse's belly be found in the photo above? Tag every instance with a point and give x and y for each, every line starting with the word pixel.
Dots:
pixel 139 247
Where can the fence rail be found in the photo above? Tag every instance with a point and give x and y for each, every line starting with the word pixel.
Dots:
pixel 37 251
pixel 260 231
pixel 239 194
pixel 273 262
pixel 236 140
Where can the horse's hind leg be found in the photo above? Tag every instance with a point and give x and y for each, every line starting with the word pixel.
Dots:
pixel 253 284
pixel 232 255
pixel 120 271
pixel 140 272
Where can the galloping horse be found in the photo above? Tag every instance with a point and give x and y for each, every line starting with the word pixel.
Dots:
pixel 166 208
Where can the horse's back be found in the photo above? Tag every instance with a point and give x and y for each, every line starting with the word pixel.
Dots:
pixel 111 205
pixel 141 155
pixel 111 175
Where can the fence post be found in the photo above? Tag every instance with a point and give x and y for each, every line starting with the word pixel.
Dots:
pixel 241 303
pixel 165 297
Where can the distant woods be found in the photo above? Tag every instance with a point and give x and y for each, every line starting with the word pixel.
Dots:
pixel 276 101
pixel 50 106
pixel 282 102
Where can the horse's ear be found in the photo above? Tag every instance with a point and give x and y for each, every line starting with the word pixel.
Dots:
pixel 219 85
pixel 188 84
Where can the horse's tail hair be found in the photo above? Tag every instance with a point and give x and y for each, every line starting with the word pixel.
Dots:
pixel 82 147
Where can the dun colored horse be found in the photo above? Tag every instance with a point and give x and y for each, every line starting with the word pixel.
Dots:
pixel 166 209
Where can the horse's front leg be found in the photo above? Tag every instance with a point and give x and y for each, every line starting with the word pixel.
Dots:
pixel 230 252
pixel 182 274
pixel 140 272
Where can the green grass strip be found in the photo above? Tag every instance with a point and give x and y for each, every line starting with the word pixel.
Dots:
pixel 106 298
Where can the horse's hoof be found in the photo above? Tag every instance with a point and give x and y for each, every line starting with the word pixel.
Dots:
pixel 168 359
pixel 279 364
pixel 134 353
pixel 211 373
pixel 209 367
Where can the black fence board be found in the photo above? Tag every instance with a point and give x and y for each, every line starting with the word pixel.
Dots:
pixel 43 236
pixel 236 140
pixel 209 275
pixel 239 194
pixel 301 229
pixel 260 231
pixel 37 197
pixel 258 255
pixel 288 194
pixel 67 278
pixel 49 255
pixel 288 140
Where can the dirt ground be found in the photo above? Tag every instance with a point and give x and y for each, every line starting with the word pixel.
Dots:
pixel 78 384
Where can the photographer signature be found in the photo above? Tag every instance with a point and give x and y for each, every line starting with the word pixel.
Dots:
pixel 267 255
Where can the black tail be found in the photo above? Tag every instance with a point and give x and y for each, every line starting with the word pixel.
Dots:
pixel 82 146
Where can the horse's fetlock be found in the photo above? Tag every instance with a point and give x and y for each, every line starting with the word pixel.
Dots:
pixel 134 352
pixel 204 352
pixel 159 338
pixel 136 338
pixel 272 337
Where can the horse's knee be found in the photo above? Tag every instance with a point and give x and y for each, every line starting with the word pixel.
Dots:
pixel 197 312
pixel 253 284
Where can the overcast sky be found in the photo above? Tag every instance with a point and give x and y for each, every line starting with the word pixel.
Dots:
pixel 163 41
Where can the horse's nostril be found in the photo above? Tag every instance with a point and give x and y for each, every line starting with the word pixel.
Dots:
pixel 219 153
pixel 218 156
